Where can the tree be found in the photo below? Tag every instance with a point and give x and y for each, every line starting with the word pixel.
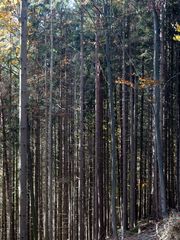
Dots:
pixel 111 116
pixel 50 171
pixel 23 106
pixel 99 218
pixel 124 123
pixel 158 135
pixel 82 162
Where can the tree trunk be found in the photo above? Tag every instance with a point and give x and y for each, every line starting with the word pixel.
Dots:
pixel 141 145
pixel 23 124
pixel 49 147
pixel 178 123
pixel 99 231
pixel 124 147
pixel 132 146
pixel 37 175
pixel 112 119
pixel 82 162
pixel 157 100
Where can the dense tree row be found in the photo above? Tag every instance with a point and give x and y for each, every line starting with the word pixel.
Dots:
pixel 90 134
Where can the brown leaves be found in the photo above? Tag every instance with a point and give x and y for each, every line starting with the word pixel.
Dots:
pixel 123 81
pixel 147 82
pixel 142 82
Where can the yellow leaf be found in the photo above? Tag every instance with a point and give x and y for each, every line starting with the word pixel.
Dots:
pixel 4 15
pixel 14 62
pixel 176 38
pixel 177 27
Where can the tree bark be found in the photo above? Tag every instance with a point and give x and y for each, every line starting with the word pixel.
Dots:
pixel 49 147
pixel 157 100
pixel 99 232
pixel 23 101
pixel 81 154
pixel 178 124
pixel 112 118
pixel 124 147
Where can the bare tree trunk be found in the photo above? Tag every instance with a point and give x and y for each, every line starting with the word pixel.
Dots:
pixel 31 199
pixel 65 208
pixel 23 101
pixel 75 187
pixel 162 65
pixel 50 186
pixel 99 231
pixel 4 206
pixel 157 100
pixel 82 162
pixel 124 147
pixel 141 145
pixel 112 119
pixel 46 142
pixel 132 145
pixel 37 175
pixel 7 172
pixel 178 126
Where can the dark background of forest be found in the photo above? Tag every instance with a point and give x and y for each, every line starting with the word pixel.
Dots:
pixel 89 117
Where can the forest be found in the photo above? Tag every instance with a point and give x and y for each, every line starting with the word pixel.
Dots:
pixel 89 119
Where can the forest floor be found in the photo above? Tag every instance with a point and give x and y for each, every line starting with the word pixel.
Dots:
pixel 167 229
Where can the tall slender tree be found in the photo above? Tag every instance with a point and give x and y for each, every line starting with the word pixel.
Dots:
pixel 107 15
pixel 23 106
pixel 50 177
pixel 81 154
pixel 157 120
pixel 99 231
pixel 124 123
